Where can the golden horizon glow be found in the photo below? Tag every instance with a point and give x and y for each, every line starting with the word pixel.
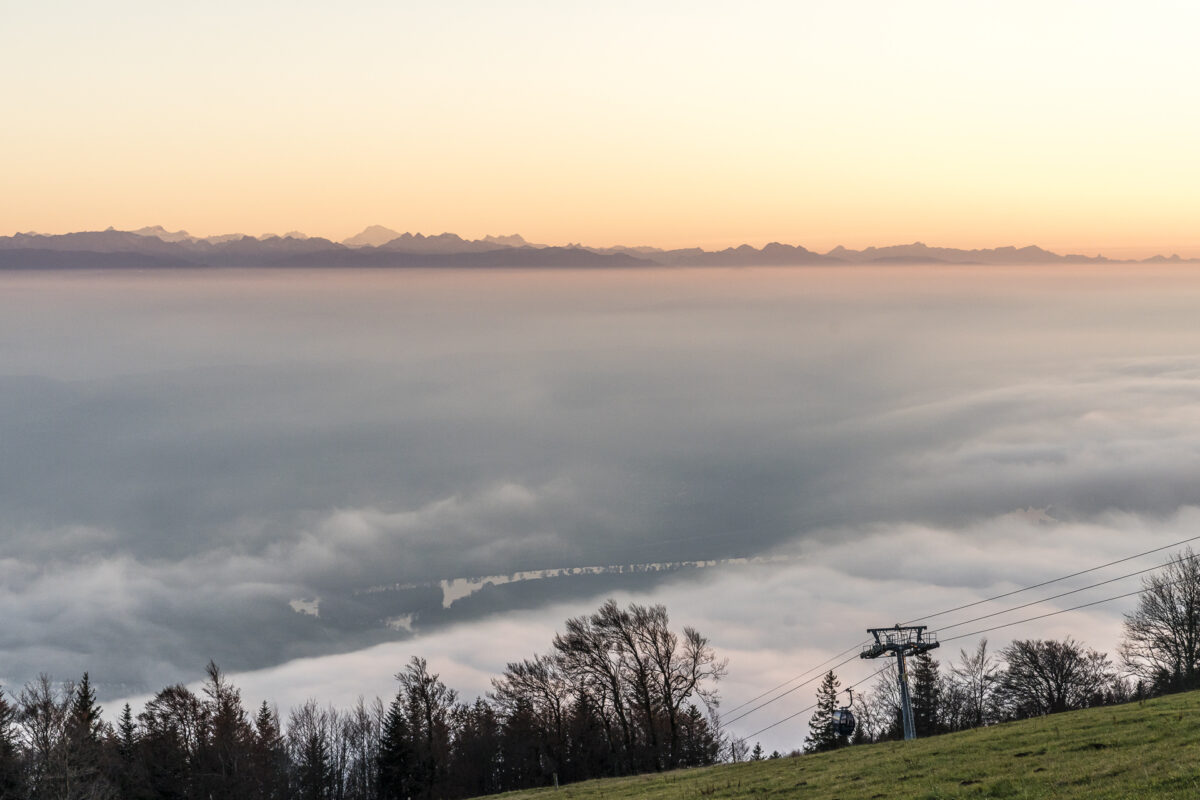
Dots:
pixel 1072 126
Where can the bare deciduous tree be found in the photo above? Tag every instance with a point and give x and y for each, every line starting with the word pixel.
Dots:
pixel 43 714
pixel 1162 636
pixel 1045 676
pixel 973 681
pixel 629 661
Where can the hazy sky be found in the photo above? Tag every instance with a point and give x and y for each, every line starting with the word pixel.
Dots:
pixel 1068 124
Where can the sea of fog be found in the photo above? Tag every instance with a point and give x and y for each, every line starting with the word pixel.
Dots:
pixel 309 476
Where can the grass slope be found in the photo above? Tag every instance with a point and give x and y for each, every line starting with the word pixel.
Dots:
pixel 1138 750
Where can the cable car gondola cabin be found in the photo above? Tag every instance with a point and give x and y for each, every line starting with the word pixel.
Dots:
pixel 843 722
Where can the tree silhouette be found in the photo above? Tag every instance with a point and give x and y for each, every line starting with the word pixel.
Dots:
pixel 80 763
pixel 974 680
pixel 396 757
pixel 269 757
pixel 1162 636
pixel 1046 676
pixel 12 785
pixel 618 694
pixel 926 696
pixel 821 733
pixel 308 740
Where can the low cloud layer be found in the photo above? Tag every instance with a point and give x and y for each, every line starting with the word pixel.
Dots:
pixel 776 620
pixel 186 454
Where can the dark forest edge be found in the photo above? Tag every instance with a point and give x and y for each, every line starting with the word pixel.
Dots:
pixel 619 693
pixel 144 249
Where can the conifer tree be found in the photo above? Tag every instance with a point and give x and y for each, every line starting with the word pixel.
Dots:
pixel 821 734
pixel 269 768
pixel 474 750
pixel 926 696
pixel 129 765
pixel 11 783
pixel 396 757
pixel 82 744
pixel 221 758
pixel 701 745
pixel 126 735
pixel 83 718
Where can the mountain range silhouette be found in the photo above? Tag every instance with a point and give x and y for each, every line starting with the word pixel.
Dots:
pixel 377 246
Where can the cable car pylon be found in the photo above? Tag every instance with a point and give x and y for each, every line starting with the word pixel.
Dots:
pixel 903 641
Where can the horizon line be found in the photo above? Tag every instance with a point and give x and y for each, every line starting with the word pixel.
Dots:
pixel 296 234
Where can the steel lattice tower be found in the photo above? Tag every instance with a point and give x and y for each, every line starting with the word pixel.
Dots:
pixel 903 642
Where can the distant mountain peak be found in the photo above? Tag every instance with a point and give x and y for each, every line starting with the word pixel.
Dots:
pixel 371 236
pixel 159 232
pixel 512 240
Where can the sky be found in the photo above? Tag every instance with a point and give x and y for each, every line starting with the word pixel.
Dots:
pixel 188 452
pixel 1071 125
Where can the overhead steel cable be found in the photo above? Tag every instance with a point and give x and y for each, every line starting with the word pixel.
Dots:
pixel 814 705
pixel 798 677
pixel 976 633
pixel 780 722
pixel 1063 594
pixel 977 619
pixel 1143 590
pixel 789 691
pixel 1052 580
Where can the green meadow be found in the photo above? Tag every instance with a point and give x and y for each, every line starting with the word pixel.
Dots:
pixel 1147 749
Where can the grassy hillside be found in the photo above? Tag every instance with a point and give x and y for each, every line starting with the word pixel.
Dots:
pixel 1139 750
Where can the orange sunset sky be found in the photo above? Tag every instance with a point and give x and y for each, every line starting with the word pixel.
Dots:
pixel 1073 125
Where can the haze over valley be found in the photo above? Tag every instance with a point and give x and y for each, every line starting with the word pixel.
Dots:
pixel 259 465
